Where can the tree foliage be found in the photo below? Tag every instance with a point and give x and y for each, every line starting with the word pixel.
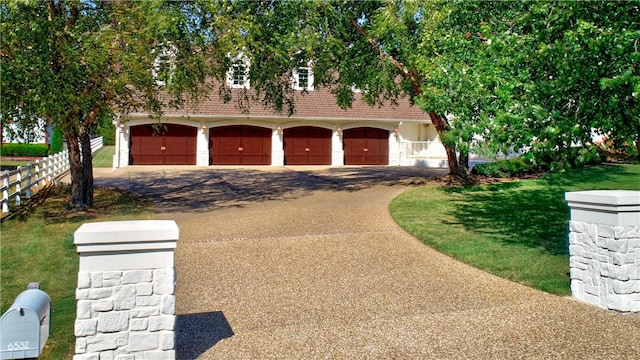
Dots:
pixel 76 62
pixel 538 77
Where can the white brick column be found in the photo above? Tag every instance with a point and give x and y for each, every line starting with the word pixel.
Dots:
pixel 202 146
pixel 604 248
pixel 277 147
pixel 116 155
pixel 125 293
pixel 121 156
pixel 395 152
pixel 337 149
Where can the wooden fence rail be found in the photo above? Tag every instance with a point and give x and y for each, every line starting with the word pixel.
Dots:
pixel 23 182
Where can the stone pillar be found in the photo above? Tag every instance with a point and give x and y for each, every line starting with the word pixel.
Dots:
pixel 116 154
pixel 397 155
pixel 337 149
pixel 202 146
pixel 604 248
pixel 126 282
pixel 121 156
pixel 277 147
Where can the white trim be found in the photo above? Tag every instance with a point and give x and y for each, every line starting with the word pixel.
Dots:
pixel 272 118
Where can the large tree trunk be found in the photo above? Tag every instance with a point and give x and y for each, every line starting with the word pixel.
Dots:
pixel 464 161
pixel 442 125
pixel 81 170
pixel 87 168
pixel 77 201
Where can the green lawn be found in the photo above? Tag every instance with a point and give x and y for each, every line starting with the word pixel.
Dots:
pixel 39 248
pixel 517 230
pixel 103 158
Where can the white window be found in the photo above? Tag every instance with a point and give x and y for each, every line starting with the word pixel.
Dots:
pixel 303 78
pixel 238 74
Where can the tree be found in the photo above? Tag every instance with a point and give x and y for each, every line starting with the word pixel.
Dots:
pixel 540 76
pixel 74 62
pixel 536 76
pixel 369 45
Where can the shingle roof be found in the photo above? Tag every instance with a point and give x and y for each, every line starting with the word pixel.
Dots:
pixel 316 104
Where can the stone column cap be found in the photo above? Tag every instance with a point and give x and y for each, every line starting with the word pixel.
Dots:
pixel 129 235
pixel 607 207
pixel 610 197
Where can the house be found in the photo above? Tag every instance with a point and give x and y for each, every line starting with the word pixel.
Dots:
pixel 36 133
pixel 319 132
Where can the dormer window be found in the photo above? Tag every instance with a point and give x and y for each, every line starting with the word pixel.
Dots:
pixel 164 64
pixel 238 74
pixel 303 78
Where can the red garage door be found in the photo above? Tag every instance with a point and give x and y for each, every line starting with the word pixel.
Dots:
pixel 167 144
pixel 366 146
pixel 307 145
pixel 240 145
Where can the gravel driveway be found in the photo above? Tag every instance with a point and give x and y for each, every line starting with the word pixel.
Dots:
pixel 307 263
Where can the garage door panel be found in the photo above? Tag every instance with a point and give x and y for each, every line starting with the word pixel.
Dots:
pixel 148 160
pixel 240 145
pixel 228 146
pixel 316 147
pixel 366 146
pixel 307 145
pixel 171 144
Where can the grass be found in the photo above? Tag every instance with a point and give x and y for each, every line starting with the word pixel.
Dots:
pixel 103 158
pixel 517 230
pixel 11 164
pixel 39 248
pixel 14 163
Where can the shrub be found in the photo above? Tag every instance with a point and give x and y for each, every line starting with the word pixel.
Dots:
pixel 108 133
pixel 505 168
pixel 35 150
pixel 57 141
pixel 620 151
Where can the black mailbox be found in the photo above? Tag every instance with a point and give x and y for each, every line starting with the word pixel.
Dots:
pixel 24 328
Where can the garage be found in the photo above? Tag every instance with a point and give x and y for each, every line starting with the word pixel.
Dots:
pixel 307 145
pixel 366 146
pixel 240 145
pixel 162 144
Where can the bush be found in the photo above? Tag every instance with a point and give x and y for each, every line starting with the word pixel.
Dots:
pixel 505 168
pixel 57 141
pixel 108 133
pixel 31 150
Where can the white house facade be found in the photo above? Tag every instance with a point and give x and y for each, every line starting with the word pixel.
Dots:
pixel 36 133
pixel 318 133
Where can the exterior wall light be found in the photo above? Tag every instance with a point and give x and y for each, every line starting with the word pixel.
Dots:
pixel 339 131
pixel 279 130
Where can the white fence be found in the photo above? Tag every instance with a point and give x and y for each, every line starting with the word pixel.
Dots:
pixel 26 180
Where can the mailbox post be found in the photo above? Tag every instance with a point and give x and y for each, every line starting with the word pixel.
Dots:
pixel 24 328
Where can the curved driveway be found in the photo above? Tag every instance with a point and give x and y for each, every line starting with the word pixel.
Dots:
pixel 302 263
